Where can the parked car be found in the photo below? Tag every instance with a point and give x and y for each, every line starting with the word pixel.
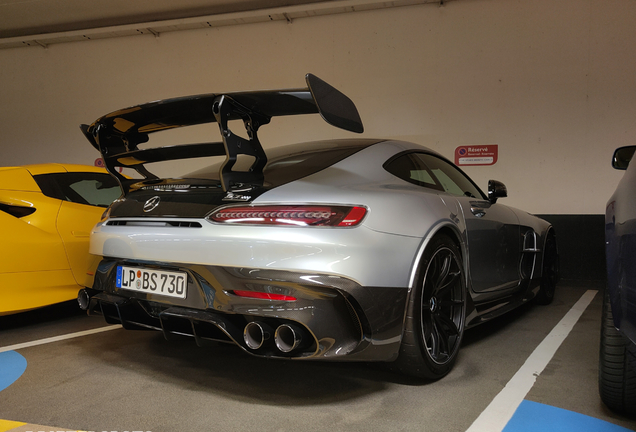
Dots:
pixel 47 212
pixel 617 361
pixel 359 249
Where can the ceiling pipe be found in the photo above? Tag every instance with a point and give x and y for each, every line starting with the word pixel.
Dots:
pixel 155 28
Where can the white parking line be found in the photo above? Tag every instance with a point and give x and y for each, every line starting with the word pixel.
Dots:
pixel 58 338
pixel 496 415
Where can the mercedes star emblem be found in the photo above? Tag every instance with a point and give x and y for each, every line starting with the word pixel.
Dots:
pixel 151 204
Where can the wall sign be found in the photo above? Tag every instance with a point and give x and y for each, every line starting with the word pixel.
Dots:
pixel 476 155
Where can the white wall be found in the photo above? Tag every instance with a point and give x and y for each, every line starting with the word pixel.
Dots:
pixel 553 83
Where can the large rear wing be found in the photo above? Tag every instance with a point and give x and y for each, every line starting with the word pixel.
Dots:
pixel 118 134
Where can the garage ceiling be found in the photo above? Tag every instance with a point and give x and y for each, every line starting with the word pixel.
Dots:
pixel 44 22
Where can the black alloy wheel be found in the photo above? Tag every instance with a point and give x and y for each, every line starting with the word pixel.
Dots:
pixel 436 313
pixel 442 304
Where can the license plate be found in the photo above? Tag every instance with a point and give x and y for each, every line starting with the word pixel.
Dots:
pixel 167 283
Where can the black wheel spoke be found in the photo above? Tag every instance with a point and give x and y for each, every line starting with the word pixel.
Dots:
pixel 442 338
pixel 429 324
pixel 433 339
pixel 449 324
pixel 444 269
pixel 449 282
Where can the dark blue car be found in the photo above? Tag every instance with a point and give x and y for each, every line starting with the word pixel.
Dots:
pixel 617 365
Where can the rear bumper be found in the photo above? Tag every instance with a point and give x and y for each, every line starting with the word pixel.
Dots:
pixel 337 318
pixel 368 257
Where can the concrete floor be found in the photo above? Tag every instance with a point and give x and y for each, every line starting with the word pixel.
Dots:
pixel 132 381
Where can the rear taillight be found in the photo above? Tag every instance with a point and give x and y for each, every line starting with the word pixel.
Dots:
pixel 300 215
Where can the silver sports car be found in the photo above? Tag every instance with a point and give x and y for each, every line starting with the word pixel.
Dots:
pixel 359 249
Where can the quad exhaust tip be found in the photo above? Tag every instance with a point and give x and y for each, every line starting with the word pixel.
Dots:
pixel 287 337
pixel 256 334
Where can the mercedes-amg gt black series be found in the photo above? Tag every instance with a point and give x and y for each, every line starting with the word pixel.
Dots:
pixel 355 249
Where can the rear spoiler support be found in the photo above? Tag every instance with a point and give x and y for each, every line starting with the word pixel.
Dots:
pixel 224 108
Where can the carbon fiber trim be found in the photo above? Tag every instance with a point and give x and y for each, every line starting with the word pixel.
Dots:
pixel 338 318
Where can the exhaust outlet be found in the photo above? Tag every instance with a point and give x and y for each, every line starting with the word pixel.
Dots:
pixel 255 334
pixel 83 299
pixel 288 337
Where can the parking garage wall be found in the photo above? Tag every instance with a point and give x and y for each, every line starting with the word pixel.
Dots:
pixel 550 83
pixel 581 240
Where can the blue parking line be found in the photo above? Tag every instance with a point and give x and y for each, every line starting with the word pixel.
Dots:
pixel 12 366
pixel 534 417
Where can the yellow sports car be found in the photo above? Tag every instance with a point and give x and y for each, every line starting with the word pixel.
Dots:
pixel 46 213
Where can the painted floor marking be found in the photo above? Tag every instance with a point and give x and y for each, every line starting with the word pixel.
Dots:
pixel 12 366
pixel 534 416
pixel 496 415
pixel 11 426
pixel 58 338
pixel 7 425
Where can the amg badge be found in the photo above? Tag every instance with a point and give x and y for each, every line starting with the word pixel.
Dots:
pixel 231 196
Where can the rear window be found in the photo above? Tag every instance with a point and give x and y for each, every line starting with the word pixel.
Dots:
pixel 411 167
pixel 432 172
pixel 88 188
pixel 288 163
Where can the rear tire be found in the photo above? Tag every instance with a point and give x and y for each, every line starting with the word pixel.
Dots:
pixel 436 312
pixel 617 366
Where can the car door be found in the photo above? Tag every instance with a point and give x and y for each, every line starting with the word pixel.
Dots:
pixel 494 245
pixel 492 230
pixel 85 196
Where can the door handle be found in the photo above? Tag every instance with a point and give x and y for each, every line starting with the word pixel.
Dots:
pixel 478 212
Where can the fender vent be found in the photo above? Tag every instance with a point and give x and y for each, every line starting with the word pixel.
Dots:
pixel 529 254
pixel 530 242
pixel 17 211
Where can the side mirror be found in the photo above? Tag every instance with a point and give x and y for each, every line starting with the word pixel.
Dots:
pixel 622 157
pixel 496 189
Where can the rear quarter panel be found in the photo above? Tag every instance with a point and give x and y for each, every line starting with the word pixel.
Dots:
pixel 34 270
